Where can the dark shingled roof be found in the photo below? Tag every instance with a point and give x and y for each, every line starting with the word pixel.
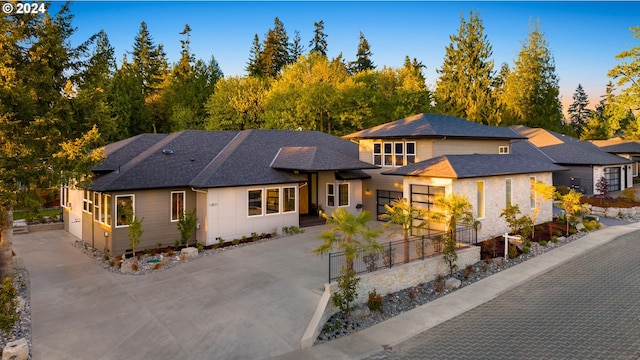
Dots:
pixel 196 158
pixel 313 158
pixel 563 149
pixel 618 146
pixel 475 165
pixel 434 126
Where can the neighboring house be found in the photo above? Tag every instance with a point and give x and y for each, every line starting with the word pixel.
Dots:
pixel 628 149
pixel 432 155
pixel 239 183
pixel 586 162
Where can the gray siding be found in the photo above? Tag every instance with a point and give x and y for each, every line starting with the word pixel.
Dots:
pixel 155 207
pixel 584 173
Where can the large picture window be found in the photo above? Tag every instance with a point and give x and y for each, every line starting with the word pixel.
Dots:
pixel 125 209
pixel 343 194
pixel 255 202
pixel 273 201
pixel 612 175
pixel 177 205
pixel 288 199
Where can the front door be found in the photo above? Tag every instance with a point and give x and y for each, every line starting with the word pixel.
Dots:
pixel 308 200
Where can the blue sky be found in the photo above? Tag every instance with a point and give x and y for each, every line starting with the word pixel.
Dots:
pixel 584 37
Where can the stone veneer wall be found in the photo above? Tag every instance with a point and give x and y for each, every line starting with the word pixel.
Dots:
pixel 384 282
pixel 615 213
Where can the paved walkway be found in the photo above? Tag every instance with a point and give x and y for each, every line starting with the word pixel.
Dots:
pixel 578 301
pixel 252 302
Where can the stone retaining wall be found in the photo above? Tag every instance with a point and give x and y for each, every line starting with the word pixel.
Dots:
pixel 384 282
pixel 615 213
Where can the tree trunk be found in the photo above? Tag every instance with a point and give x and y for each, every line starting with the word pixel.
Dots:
pixel 407 246
pixel 6 240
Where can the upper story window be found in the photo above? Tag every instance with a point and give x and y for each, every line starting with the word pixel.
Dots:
pixel 503 149
pixel 97 199
pixel 394 153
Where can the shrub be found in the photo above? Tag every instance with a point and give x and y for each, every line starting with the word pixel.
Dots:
pixel 187 225
pixel 411 293
pixel 513 252
pixel 449 254
pixel 105 257
pixel 135 266
pixel 8 304
pixel 170 252
pixel 158 266
pixel 220 242
pixel 572 231
pixel 439 283
pixel 557 233
pixel 526 249
pixel 591 225
pixel 347 291
pixel 375 301
pixel 554 239
pixel 468 271
pixel 543 243
pixel 200 247
pixel 332 326
pixel 176 244
pixel 628 194
pixel 235 241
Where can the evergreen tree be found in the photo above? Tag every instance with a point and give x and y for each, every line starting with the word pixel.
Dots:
pixel 254 67
pixel 38 146
pixel 363 56
pixel 91 105
pixel 295 48
pixel 275 50
pixel 466 76
pixel 318 44
pixel 531 94
pixel 499 111
pixel 578 113
pixel 627 76
pixel 127 101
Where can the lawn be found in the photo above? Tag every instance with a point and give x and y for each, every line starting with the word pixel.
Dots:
pixel 23 214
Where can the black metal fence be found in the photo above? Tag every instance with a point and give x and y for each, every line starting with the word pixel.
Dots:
pixel 398 252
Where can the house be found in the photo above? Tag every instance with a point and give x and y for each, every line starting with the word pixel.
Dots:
pixel 586 162
pixel 426 155
pixel 628 149
pixel 238 182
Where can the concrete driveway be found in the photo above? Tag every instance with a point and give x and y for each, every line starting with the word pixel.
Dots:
pixel 252 302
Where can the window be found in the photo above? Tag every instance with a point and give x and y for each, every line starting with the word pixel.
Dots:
pixel 255 202
pixel 64 196
pixel 411 152
pixel 399 154
pixel 509 198
pixel 343 194
pixel 532 181
pixel 331 195
pixel 273 201
pixel 612 175
pixel 97 198
pixel 377 154
pixel 125 209
pixel 177 205
pixel 388 154
pixel 87 204
pixel 503 149
pixel 480 200
pixel 106 207
pixel 288 199
pixel 635 168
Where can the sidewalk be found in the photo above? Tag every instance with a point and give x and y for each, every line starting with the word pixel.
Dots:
pixel 400 328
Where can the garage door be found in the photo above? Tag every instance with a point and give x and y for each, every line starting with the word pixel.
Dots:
pixel 386 197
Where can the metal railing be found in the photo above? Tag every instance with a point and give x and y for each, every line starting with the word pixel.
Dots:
pixel 398 252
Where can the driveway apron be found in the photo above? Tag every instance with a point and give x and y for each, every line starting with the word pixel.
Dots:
pixel 252 302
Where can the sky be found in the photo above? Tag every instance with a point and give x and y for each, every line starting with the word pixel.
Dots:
pixel 584 36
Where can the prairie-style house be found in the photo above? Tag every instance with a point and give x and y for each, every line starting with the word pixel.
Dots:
pixel 239 183
pixel 427 155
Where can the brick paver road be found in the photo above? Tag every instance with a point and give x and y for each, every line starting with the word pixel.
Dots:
pixel 587 308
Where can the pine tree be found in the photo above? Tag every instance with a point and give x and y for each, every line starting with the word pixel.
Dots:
pixel 363 56
pixel 37 143
pixel 254 67
pixel 319 42
pixel 275 53
pixel 578 113
pixel 295 48
pixel 531 94
pixel 466 76
pixel 627 76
